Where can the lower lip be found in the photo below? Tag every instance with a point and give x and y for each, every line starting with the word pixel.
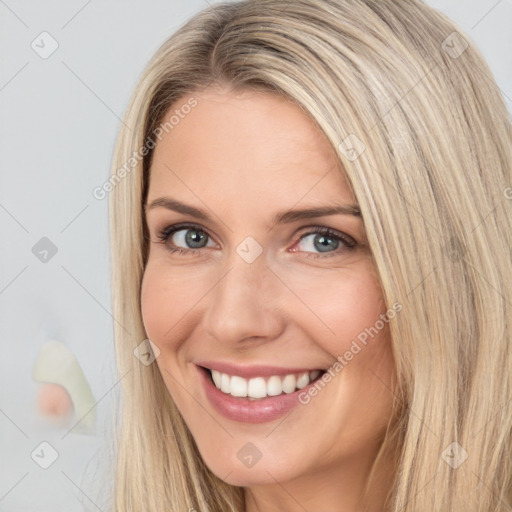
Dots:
pixel 250 411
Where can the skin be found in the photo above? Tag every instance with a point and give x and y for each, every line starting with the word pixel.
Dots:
pixel 243 157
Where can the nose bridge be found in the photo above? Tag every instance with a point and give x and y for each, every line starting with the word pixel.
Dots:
pixel 243 302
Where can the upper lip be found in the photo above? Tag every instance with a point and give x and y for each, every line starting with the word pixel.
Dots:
pixel 253 370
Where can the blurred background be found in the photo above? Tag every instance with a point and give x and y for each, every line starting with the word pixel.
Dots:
pixel 68 70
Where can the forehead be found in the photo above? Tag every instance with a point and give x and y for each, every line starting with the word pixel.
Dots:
pixel 252 146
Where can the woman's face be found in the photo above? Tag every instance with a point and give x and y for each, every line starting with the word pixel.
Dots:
pixel 244 285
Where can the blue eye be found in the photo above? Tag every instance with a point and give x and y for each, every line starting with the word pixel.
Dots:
pixel 318 242
pixel 189 235
pixel 326 241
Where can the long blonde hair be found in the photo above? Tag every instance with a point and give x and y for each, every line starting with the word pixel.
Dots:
pixel 423 133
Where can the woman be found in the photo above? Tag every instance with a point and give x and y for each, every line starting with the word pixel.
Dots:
pixel 311 221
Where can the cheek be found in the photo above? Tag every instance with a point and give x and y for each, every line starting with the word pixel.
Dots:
pixel 168 301
pixel 165 301
pixel 346 306
pixel 351 311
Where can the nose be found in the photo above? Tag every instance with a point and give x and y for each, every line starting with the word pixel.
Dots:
pixel 245 303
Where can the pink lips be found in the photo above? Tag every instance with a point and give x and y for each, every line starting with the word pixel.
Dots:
pixel 242 409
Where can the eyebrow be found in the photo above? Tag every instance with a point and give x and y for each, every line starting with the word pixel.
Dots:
pixel 283 217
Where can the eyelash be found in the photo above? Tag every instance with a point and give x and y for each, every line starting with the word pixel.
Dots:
pixel 349 242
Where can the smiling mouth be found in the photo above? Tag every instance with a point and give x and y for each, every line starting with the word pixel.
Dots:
pixel 258 388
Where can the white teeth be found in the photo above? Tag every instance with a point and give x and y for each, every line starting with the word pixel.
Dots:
pixel 225 383
pixel 238 386
pixel 260 387
pixel 216 377
pixel 289 383
pixel 274 387
pixel 257 387
pixel 303 380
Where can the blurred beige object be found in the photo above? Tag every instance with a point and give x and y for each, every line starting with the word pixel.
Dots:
pixel 64 389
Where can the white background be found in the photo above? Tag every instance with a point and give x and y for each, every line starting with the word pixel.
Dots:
pixel 59 120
